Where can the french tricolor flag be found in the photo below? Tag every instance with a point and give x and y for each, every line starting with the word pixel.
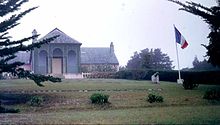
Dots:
pixel 180 39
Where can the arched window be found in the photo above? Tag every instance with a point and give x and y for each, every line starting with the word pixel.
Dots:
pixel 72 62
pixel 43 62
pixel 57 52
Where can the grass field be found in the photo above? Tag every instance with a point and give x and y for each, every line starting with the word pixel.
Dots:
pixel 68 102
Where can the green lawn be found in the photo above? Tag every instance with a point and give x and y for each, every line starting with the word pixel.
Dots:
pixel 127 103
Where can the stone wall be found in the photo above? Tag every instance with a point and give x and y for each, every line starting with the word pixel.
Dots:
pixel 99 68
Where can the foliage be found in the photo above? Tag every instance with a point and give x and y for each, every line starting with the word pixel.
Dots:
pixel 98 68
pixel 14 99
pixel 212 94
pixel 154 98
pixel 201 77
pixel 134 74
pixel 36 101
pixel 105 75
pixel 37 78
pixel 8 110
pixel 211 15
pixel 9 47
pixel 195 62
pixel 203 65
pixel 150 59
pixel 1 77
pixel 164 75
pixel 99 98
pixel 191 78
pixel 124 74
pixel 121 68
pixel 189 84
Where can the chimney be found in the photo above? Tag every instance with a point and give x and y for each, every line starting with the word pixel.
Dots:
pixel 34 33
pixel 111 48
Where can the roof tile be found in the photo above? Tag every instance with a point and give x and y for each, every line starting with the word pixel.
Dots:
pixel 97 56
pixel 63 38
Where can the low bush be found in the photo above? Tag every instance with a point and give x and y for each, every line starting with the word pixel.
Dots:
pixel 189 84
pixel 14 98
pixel 134 74
pixel 212 94
pixel 99 98
pixel 8 110
pixel 105 75
pixel 1 77
pixel 159 99
pixel 98 75
pixel 154 98
pixel 36 101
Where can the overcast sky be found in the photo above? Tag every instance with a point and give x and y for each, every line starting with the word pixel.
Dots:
pixel 132 25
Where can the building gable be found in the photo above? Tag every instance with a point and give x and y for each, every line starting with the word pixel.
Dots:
pixel 63 38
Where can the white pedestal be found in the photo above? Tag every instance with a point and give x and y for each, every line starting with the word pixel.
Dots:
pixel 179 81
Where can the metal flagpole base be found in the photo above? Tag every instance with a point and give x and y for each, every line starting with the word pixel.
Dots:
pixel 179 81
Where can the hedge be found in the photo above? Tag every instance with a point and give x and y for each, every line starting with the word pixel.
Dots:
pixel 193 77
pixel 190 77
pixel 105 75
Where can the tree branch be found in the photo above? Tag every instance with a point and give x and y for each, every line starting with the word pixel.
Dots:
pixel 12 50
pixel 10 6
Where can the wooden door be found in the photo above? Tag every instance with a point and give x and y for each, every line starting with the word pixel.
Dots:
pixel 57 66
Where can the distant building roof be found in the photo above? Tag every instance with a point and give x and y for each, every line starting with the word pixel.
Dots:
pixel 22 57
pixel 63 38
pixel 98 56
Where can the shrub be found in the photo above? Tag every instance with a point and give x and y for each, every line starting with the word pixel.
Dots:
pixel 212 94
pixel 99 98
pixel 36 101
pixel 7 110
pixel 106 75
pixel 189 84
pixel 159 99
pixel 151 98
pixel 12 98
pixel 154 98
pixel 124 74
pixel 1 76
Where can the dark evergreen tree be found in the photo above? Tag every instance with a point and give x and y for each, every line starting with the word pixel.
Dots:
pixel 203 65
pixel 150 59
pixel 211 16
pixel 9 47
pixel 134 62
pixel 195 62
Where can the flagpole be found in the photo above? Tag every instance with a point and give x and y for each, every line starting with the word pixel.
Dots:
pixel 179 81
pixel 178 64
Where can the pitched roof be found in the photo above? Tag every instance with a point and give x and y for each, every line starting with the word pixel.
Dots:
pixel 63 38
pixel 98 56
